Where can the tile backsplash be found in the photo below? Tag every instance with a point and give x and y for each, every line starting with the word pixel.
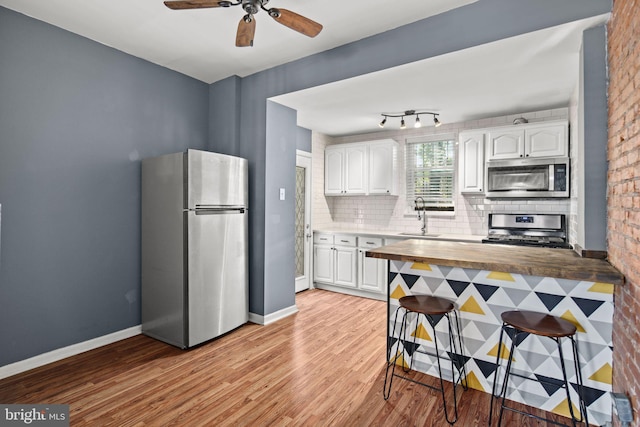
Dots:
pixel 391 213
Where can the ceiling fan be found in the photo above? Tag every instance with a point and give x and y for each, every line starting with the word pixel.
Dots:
pixel 247 25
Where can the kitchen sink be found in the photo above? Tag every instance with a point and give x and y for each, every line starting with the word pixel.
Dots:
pixel 419 235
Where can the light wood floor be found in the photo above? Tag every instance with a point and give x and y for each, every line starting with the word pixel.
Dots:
pixel 323 366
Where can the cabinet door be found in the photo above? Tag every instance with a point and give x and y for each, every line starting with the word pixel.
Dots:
pixel 333 171
pixel 471 165
pixel 345 266
pixel 381 168
pixel 506 144
pixel 371 272
pixel 546 141
pixel 355 171
pixel 323 263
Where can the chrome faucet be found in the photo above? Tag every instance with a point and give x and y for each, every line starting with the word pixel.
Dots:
pixel 421 215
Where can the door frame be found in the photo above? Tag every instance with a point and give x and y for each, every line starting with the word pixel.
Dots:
pixel 304 160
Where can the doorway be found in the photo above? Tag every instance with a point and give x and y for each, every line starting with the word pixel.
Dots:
pixel 303 221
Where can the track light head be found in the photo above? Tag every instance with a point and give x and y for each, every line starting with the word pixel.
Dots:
pixel 383 122
pixel 406 113
pixel 436 122
pixel 402 124
pixel 417 124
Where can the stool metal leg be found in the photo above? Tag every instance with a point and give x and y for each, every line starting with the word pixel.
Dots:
pixel 459 351
pixel 506 377
pixel 495 376
pixel 581 404
pixel 576 361
pixel 386 391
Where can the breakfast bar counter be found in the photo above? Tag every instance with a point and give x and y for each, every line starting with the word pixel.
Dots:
pixel 484 280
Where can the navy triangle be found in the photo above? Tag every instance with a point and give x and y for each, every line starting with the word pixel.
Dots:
pixel 521 335
pixel 487 368
pixel 550 385
pixel 457 286
pixel 434 319
pixel 410 347
pixel 410 279
pixel 459 360
pixel 588 306
pixel 391 277
pixel 485 290
pixel 589 394
pixel 549 300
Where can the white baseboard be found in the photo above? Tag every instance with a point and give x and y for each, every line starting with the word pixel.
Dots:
pixel 270 318
pixel 62 353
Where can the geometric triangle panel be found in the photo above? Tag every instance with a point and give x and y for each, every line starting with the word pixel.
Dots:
pixel 410 279
pixel 589 394
pixel 458 286
pixel 549 300
pixel 486 290
pixel 588 306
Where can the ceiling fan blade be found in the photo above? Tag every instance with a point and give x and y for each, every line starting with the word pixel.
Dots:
pixel 296 22
pixel 192 4
pixel 246 30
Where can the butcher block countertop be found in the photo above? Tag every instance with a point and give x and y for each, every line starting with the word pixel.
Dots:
pixel 531 261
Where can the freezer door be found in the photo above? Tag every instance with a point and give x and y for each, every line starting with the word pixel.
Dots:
pixel 215 179
pixel 217 254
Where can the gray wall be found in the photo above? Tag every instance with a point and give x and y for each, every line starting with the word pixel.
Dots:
pixel 75 118
pixel 224 116
pixel 595 134
pixel 482 22
pixel 303 141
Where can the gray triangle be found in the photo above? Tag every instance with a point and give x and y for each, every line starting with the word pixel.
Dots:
pixel 534 400
pixel 433 283
pixel 598 418
pixel 396 266
pixel 486 329
pixel 604 329
pixel 497 311
pixel 535 360
pixel 516 295
pixel 472 273
pixel 445 270
pixel 549 345
pixel 473 346
pixel 567 285
pixel 533 281
pixel 589 350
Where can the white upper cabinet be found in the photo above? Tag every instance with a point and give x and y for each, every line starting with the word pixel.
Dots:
pixel 382 167
pixel 544 139
pixel 361 168
pixel 471 163
pixel 506 144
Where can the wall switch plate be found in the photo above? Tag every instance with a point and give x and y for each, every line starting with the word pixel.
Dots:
pixel 282 194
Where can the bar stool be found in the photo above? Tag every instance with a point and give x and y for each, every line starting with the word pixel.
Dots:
pixel 433 309
pixel 544 325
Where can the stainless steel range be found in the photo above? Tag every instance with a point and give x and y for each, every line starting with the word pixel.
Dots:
pixel 542 230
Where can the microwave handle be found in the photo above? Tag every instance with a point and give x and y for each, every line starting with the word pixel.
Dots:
pixel 552 178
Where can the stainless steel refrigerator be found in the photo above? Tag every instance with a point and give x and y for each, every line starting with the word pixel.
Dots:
pixel 194 246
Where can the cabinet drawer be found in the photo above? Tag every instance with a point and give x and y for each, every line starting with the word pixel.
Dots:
pixel 320 238
pixel 344 240
pixel 369 242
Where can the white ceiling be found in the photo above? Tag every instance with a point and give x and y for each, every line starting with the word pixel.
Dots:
pixel 526 73
pixel 531 72
pixel 201 43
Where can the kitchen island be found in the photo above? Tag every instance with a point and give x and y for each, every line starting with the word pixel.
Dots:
pixel 484 281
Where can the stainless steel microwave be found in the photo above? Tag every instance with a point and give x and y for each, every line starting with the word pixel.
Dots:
pixel 528 178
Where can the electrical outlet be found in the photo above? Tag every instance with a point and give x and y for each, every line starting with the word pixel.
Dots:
pixel 622 407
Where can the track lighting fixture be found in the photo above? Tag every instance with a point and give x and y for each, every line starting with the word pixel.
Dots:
pixel 402 115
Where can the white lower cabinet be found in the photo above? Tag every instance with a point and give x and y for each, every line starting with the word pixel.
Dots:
pixel 340 264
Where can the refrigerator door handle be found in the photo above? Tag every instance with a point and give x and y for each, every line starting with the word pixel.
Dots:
pixel 219 211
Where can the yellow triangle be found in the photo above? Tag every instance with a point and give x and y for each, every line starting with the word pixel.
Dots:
pixel 471 306
pixel 497 275
pixel 398 293
pixel 603 288
pixel 563 409
pixel 421 266
pixel 399 359
pixel 568 315
pixel 603 375
pixel 473 382
pixel 504 353
pixel 421 333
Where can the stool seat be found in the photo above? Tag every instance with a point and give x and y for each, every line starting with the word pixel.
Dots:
pixel 536 323
pixel 426 304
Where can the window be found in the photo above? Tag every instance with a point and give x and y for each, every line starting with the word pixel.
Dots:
pixel 430 172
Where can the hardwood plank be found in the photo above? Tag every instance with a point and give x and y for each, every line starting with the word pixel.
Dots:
pixel 323 366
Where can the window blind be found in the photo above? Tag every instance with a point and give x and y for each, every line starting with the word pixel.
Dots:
pixel 430 172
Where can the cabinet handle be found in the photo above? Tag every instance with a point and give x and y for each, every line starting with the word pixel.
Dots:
pixel 370 243
pixel 527 155
pixel 344 241
pixel 520 155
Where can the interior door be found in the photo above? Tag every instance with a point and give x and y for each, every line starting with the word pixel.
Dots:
pixel 303 221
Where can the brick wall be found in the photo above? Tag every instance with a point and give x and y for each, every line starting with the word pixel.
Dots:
pixel 623 238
